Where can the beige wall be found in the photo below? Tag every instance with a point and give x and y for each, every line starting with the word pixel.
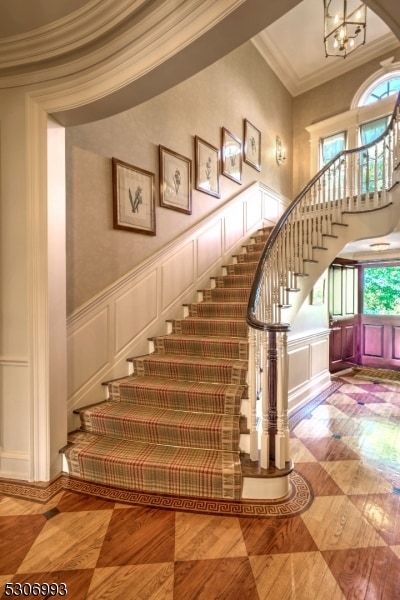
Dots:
pixel 239 86
pixel 322 102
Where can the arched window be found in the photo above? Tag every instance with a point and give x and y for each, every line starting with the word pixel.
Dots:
pixel 367 118
pixel 382 90
pixel 380 85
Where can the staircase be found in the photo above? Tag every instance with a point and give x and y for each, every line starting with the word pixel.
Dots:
pixel 177 425
pixel 205 413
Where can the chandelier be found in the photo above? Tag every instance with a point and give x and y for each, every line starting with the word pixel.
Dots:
pixel 345 26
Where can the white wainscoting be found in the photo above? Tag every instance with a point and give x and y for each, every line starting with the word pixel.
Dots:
pixel 308 367
pixel 14 454
pixel 116 323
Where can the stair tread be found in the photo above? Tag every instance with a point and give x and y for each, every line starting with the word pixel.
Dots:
pixel 207 319
pixel 128 411
pixel 153 424
pixel 131 449
pixel 154 382
pixel 130 464
pixel 168 358
pixel 188 337
pixel 180 394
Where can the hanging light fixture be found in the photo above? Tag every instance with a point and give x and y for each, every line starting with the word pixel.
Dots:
pixel 345 23
pixel 379 246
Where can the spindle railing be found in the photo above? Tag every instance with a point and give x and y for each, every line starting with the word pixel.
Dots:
pixel 354 181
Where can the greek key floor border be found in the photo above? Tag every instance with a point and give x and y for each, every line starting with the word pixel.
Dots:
pixel 297 501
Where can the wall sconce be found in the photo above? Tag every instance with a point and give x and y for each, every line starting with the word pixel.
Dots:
pixel 280 151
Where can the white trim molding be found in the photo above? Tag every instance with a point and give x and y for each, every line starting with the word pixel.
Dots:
pixel 117 322
pixel 308 367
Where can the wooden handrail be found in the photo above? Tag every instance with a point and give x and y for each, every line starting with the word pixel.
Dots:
pixel 256 288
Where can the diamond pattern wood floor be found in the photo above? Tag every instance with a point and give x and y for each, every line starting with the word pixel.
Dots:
pixel 345 545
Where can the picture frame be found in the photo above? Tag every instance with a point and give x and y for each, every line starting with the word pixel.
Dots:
pixel 175 181
pixel 252 145
pixel 231 155
pixel 207 167
pixel 133 198
pixel 318 293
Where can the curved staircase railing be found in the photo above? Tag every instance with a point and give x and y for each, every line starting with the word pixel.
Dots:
pixel 355 181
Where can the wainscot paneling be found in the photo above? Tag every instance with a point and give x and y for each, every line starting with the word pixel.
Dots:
pixel 209 247
pixel 177 274
pixel 254 211
pixel 233 227
pixel 117 323
pixel 140 300
pixel 87 349
pixel 308 367
pixel 14 457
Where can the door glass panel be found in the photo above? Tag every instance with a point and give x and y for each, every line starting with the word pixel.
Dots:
pixel 381 290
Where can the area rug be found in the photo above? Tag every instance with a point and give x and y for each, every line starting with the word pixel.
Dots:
pixel 389 375
pixel 296 502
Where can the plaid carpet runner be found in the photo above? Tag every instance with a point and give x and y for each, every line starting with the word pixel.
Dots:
pixel 174 426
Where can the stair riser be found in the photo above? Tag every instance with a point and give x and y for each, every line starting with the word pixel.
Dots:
pixel 218 309
pixel 211 327
pixel 245 268
pixel 229 349
pixel 226 295
pixel 248 257
pixel 197 397
pixel 234 281
pixel 257 247
pixel 191 371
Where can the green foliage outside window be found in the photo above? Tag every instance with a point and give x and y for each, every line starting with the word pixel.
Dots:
pixel 381 294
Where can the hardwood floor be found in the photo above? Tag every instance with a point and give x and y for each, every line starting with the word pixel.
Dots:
pixel 344 545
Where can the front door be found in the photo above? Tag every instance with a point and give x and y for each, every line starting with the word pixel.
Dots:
pixel 343 317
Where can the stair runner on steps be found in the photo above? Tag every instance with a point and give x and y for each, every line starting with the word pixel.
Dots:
pixel 173 427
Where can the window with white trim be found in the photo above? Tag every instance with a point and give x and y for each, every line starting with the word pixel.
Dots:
pixel 332 145
pixel 371 107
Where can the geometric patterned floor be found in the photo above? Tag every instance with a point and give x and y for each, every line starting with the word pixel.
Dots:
pixel 345 545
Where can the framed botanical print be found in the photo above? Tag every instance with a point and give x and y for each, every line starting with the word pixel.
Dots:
pixel 175 181
pixel 231 156
pixel 207 167
pixel 133 198
pixel 252 145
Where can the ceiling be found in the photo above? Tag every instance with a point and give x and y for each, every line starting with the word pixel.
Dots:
pixel 297 55
pixel 20 16
pixel 292 46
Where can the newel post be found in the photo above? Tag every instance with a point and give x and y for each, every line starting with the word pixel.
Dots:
pixel 275 396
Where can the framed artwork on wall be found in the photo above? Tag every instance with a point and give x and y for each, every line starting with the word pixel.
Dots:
pixel 252 145
pixel 231 156
pixel 175 181
pixel 207 167
pixel 133 198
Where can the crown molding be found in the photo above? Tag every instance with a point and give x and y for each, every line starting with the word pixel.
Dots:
pixel 146 40
pixel 95 19
pixel 296 85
